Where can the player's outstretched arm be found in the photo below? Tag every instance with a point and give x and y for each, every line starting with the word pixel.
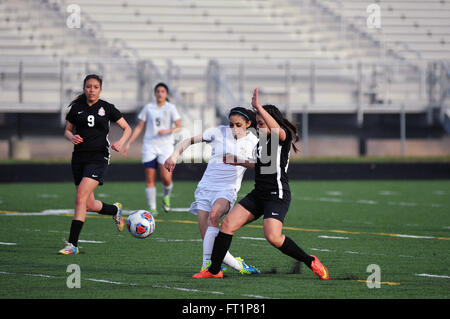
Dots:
pixel 232 159
pixel 136 132
pixel 123 124
pixel 171 162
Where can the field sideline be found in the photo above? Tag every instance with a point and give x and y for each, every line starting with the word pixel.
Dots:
pixel 403 228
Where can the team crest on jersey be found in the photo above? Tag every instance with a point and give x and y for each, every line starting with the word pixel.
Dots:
pixel 101 111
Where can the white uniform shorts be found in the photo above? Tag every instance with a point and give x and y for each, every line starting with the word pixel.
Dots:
pixel 205 199
pixel 153 151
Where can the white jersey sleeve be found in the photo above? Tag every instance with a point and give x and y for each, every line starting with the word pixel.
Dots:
pixel 143 114
pixel 174 113
pixel 211 134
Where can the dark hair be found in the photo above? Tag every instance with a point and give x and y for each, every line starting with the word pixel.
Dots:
pixel 284 123
pixel 82 96
pixel 164 85
pixel 247 114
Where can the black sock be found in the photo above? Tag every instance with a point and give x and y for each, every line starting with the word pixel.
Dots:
pixel 75 230
pixel 108 209
pixel 221 246
pixel 291 249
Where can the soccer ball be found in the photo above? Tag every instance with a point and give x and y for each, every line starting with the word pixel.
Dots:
pixel 141 224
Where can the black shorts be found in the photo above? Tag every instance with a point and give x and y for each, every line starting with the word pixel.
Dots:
pixel 95 170
pixel 269 206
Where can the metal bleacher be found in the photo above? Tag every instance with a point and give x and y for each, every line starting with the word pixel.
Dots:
pixel 415 29
pixel 317 56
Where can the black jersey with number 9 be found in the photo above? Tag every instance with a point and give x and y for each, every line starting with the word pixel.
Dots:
pixel 92 124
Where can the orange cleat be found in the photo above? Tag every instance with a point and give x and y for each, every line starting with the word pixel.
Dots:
pixel 206 274
pixel 320 270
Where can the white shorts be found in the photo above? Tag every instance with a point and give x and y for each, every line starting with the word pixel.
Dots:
pixel 205 199
pixel 150 151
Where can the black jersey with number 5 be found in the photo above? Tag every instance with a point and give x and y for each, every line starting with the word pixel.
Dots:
pixel 271 177
pixel 92 124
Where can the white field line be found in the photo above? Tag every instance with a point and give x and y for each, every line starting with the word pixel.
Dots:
pixel 110 282
pixel 179 209
pixel 367 202
pixel 253 238
pixel 49 212
pixel 63 211
pixel 351 252
pixel 7 244
pixel 188 289
pixel 167 240
pixel 332 237
pixel 415 236
pixel 91 241
pixel 433 276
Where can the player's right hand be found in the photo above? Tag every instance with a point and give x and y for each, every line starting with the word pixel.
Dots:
pixel 77 139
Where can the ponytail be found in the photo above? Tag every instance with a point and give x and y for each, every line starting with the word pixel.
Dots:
pixel 284 124
pixel 79 99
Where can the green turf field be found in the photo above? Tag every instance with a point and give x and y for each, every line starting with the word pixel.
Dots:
pixel 402 227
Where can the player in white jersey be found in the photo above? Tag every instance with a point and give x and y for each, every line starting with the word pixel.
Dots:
pixel 158 119
pixel 217 190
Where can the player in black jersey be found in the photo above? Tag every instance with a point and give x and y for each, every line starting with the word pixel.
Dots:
pixel 271 196
pixel 87 128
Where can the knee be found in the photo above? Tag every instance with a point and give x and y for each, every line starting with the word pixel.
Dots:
pixel 150 184
pixel 275 240
pixel 227 227
pixel 81 198
pixel 214 218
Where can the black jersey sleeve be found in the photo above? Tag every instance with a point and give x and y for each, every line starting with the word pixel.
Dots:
pixel 71 115
pixel 115 114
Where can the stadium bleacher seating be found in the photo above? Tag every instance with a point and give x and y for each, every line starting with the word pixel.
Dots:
pixel 416 29
pixel 317 53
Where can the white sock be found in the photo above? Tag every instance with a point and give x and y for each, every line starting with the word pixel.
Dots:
pixel 150 193
pixel 168 190
pixel 208 244
pixel 231 261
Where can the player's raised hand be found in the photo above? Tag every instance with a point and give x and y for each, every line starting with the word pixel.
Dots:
pixel 255 102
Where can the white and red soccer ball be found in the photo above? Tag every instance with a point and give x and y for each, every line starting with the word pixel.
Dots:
pixel 141 224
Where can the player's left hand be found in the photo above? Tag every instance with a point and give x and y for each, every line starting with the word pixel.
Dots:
pixel 170 163
pixel 164 132
pixel 231 159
